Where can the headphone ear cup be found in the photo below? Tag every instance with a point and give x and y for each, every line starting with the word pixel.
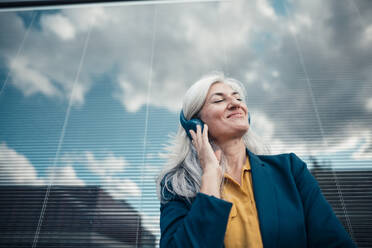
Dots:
pixel 190 124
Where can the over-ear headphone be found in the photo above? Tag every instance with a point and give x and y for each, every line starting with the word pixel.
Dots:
pixel 191 124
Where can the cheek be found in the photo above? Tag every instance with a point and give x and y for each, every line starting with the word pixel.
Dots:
pixel 244 106
pixel 212 115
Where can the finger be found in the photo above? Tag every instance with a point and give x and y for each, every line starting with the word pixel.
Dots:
pixel 193 134
pixel 193 140
pixel 205 132
pixel 199 134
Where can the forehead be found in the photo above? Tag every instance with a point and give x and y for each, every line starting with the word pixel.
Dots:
pixel 220 87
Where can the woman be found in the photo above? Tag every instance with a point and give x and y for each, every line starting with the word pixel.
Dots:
pixel 215 191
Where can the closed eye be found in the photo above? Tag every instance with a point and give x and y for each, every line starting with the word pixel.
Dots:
pixel 221 100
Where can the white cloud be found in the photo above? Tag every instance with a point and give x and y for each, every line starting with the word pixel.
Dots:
pixel 68 23
pixel 360 143
pixel 245 38
pixel 15 168
pixel 277 146
pixel 369 104
pixel 120 189
pixel 349 143
pixel 365 150
pixel 275 73
pixel 262 125
pixel 367 36
pixel 107 166
pixel 60 25
pixel 303 21
pixel 87 17
pixel 130 96
pixel 33 76
pixel 299 24
pixel 65 175
pixel 266 9
pixel 48 64
pixel 30 80
pixel 78 96
pixel 151 223
pixel 251 76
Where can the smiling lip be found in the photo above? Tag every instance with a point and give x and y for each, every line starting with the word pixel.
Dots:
pixel 239 114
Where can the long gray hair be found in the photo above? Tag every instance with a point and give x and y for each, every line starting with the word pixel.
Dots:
pixel 182 172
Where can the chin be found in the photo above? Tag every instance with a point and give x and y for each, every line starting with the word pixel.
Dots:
pixel 244 127
pixel 238 132
pixel 243 130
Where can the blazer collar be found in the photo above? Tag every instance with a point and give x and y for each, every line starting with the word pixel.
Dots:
pixel 266 200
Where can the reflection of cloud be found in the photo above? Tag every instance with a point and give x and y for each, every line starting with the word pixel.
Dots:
pixel 360 143
pixel 130 96
pixel 367 36
pixel 265 9
pixel 63 176
pixel 48 64
pixel 68 23
pixel 15 168
pixel 327 42
pixel 60 25
pixel 121 188
pixel 151 223
pixel 365 150
pixel 369 104
pixel 29 79
pixel 263 126
pixel 107 166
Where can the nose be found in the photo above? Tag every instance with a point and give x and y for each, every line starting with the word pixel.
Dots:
pixel 234 103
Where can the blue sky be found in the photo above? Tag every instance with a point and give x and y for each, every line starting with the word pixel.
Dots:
pixel 307 74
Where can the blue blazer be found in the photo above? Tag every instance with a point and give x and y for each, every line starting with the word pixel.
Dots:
pixel 291 208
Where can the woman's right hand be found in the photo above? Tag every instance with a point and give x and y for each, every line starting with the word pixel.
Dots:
pixel 209 160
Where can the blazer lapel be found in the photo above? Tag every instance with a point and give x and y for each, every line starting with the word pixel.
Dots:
pixel 266 200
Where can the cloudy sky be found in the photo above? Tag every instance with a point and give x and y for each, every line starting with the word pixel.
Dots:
pixel 90 95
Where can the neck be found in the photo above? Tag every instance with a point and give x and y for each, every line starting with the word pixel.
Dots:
pixel 235 153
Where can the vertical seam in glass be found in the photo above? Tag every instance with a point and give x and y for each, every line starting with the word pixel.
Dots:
pixel 146 120
pixel 20 48
pixel 325 143
pixel 51 181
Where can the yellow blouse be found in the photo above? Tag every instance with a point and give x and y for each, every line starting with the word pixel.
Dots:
pixel 243 229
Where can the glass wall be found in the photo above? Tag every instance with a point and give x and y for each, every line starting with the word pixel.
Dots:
pixel 90 96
